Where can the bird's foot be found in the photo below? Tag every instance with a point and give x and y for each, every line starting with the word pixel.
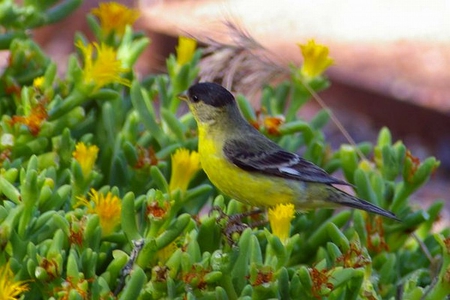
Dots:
pixel 233 225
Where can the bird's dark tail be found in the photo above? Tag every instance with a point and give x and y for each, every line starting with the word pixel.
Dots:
pixel 351 201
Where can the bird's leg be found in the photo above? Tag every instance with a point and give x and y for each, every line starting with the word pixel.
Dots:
pixel 234 222
pixel 127 269
pixel 253 214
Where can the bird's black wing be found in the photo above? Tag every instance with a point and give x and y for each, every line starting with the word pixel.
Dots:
pixel 268 158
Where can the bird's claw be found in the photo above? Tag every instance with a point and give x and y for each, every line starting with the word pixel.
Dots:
pixel 234 222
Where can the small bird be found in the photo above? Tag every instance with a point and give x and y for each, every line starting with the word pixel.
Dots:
pixel 249 167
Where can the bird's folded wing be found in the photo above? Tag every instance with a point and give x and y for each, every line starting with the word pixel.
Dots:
pixel 275 161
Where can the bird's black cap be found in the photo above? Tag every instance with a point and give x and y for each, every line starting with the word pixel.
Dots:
pixel 210 93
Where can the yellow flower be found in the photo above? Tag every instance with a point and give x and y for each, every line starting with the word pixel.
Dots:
pixel 315 59
pixel 104 69
pixel 280 220
pixel 108 208
pixel 114 17
pixel 86 157
pixel 184 166
pixel 10 289
pixel 185 50
pixel 38 82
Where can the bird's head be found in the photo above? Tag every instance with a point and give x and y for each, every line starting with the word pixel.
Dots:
pixel 210 102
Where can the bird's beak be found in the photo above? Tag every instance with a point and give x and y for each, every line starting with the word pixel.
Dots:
pixel 183 96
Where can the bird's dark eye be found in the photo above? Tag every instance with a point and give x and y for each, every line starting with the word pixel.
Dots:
pixel 195 98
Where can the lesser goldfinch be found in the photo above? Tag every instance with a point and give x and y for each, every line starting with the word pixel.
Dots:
pixel 247 166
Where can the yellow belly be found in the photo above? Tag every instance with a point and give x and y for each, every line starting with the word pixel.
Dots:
pixel 252 188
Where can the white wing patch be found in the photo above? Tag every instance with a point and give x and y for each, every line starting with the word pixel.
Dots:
pixel 289 171
pixel 286 167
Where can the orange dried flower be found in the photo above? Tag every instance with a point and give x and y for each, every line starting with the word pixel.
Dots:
pixel 156 211
pixel 415 163
pixel 353 257
pixel 263 277
pixel 34 120
pixel 375 235
pixel 146 157
pixel 319 279
pixel 272 124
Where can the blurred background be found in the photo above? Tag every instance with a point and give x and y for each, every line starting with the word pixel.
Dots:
pixel 392 59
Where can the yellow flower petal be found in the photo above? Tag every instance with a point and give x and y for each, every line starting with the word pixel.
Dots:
pixel 185 50
pixel 86 157
pixel 108 208
pixel 9 288
pixel 114 17
pixel 315 59
pixel 184 166
pixel 280 220
pixel 38 82
pixel 104 69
